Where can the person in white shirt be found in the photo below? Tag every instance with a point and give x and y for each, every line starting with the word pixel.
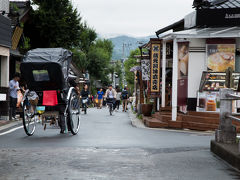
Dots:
pixel 14 88
pixel 111 95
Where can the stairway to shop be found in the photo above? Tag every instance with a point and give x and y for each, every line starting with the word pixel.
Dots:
pixel 202 121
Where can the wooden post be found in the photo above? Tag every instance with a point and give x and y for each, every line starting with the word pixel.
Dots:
pixel 164 74
pixel 141 89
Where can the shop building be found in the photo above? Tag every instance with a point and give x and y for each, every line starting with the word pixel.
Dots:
pixel 5 45
pixel 200 49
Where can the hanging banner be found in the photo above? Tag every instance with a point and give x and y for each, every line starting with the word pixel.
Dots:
pixel 183 57
pixel 220 57
pixel 145 67
pixel 155 67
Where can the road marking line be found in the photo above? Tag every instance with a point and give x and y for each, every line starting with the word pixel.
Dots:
pixel 11 130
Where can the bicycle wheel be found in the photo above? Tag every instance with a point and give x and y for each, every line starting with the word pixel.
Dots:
pixel 74 113
pixel 85 109
pixel 29 121
pixel 110 109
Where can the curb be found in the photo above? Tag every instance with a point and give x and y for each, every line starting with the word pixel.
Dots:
pixel 228 152
pixel 135 121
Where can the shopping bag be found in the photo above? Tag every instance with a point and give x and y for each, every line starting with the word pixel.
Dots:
pixel 19 98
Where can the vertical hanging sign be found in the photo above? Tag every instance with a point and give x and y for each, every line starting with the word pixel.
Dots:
pixel 183 57
pixel 155 67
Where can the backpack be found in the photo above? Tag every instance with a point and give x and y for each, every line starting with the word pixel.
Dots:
pixel 124 94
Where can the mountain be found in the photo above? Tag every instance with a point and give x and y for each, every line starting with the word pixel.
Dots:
pixel 123 45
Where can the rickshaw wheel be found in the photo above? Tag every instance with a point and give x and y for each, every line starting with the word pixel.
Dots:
pixel 29 122
pixel 74 113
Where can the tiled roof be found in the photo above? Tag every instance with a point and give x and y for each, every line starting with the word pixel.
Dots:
pixel 223 4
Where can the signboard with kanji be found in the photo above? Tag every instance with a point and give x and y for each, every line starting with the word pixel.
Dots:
pixel 155 67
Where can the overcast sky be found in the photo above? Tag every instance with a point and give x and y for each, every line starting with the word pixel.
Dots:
pixel 131 17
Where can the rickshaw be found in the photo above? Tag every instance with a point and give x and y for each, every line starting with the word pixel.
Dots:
pixel 46 72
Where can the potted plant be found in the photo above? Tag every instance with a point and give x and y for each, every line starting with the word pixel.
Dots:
pixel 147 108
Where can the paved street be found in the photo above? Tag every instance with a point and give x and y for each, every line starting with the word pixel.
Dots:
pixel 110 148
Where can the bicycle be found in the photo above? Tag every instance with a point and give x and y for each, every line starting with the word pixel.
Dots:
pixel 84 105
pixel 110 103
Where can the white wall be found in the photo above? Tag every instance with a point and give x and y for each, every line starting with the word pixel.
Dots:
pixel 4 52
pixel 197 64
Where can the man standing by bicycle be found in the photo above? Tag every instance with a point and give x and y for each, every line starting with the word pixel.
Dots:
pixel 111 97
pixel 14 88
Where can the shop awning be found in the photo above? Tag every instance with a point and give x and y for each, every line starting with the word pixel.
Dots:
pixel 135 68
pixel 223 32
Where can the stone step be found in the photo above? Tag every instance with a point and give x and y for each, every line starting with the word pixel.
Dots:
pixel 154 123
pixel 199 126
pixel 197 119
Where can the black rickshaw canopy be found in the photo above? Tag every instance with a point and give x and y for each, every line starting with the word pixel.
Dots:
pixel 46 68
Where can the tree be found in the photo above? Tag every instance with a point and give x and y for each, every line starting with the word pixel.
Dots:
pixel 87 38
pixel 54 23
pixel 128 64
pixel 80 59
pixel 99 57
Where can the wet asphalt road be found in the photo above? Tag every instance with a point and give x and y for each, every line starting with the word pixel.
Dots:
pixel 109 148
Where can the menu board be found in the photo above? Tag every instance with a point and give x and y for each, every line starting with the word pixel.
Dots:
pixel 220 57
pixel 155 67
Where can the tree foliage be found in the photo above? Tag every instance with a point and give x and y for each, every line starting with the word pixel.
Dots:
pixel 128 64
pixel 99 57
pixel 55 23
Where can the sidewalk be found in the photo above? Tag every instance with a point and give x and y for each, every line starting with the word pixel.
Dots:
pixel 4 122
pixel 8 124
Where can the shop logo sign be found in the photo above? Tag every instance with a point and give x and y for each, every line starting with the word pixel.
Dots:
pixel 232 16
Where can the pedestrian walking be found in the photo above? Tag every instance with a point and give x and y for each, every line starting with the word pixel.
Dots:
pixel 118 98
pixel 124 99
pixel 14 88
pixel 100 94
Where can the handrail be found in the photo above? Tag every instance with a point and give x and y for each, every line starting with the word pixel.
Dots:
pixel 236 97
pixel 232 117
pixel 226 116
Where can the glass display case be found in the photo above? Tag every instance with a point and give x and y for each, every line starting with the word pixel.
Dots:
pixel 213 81
pixel 208 94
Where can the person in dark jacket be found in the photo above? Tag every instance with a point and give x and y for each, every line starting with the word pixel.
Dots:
pixel 125 99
